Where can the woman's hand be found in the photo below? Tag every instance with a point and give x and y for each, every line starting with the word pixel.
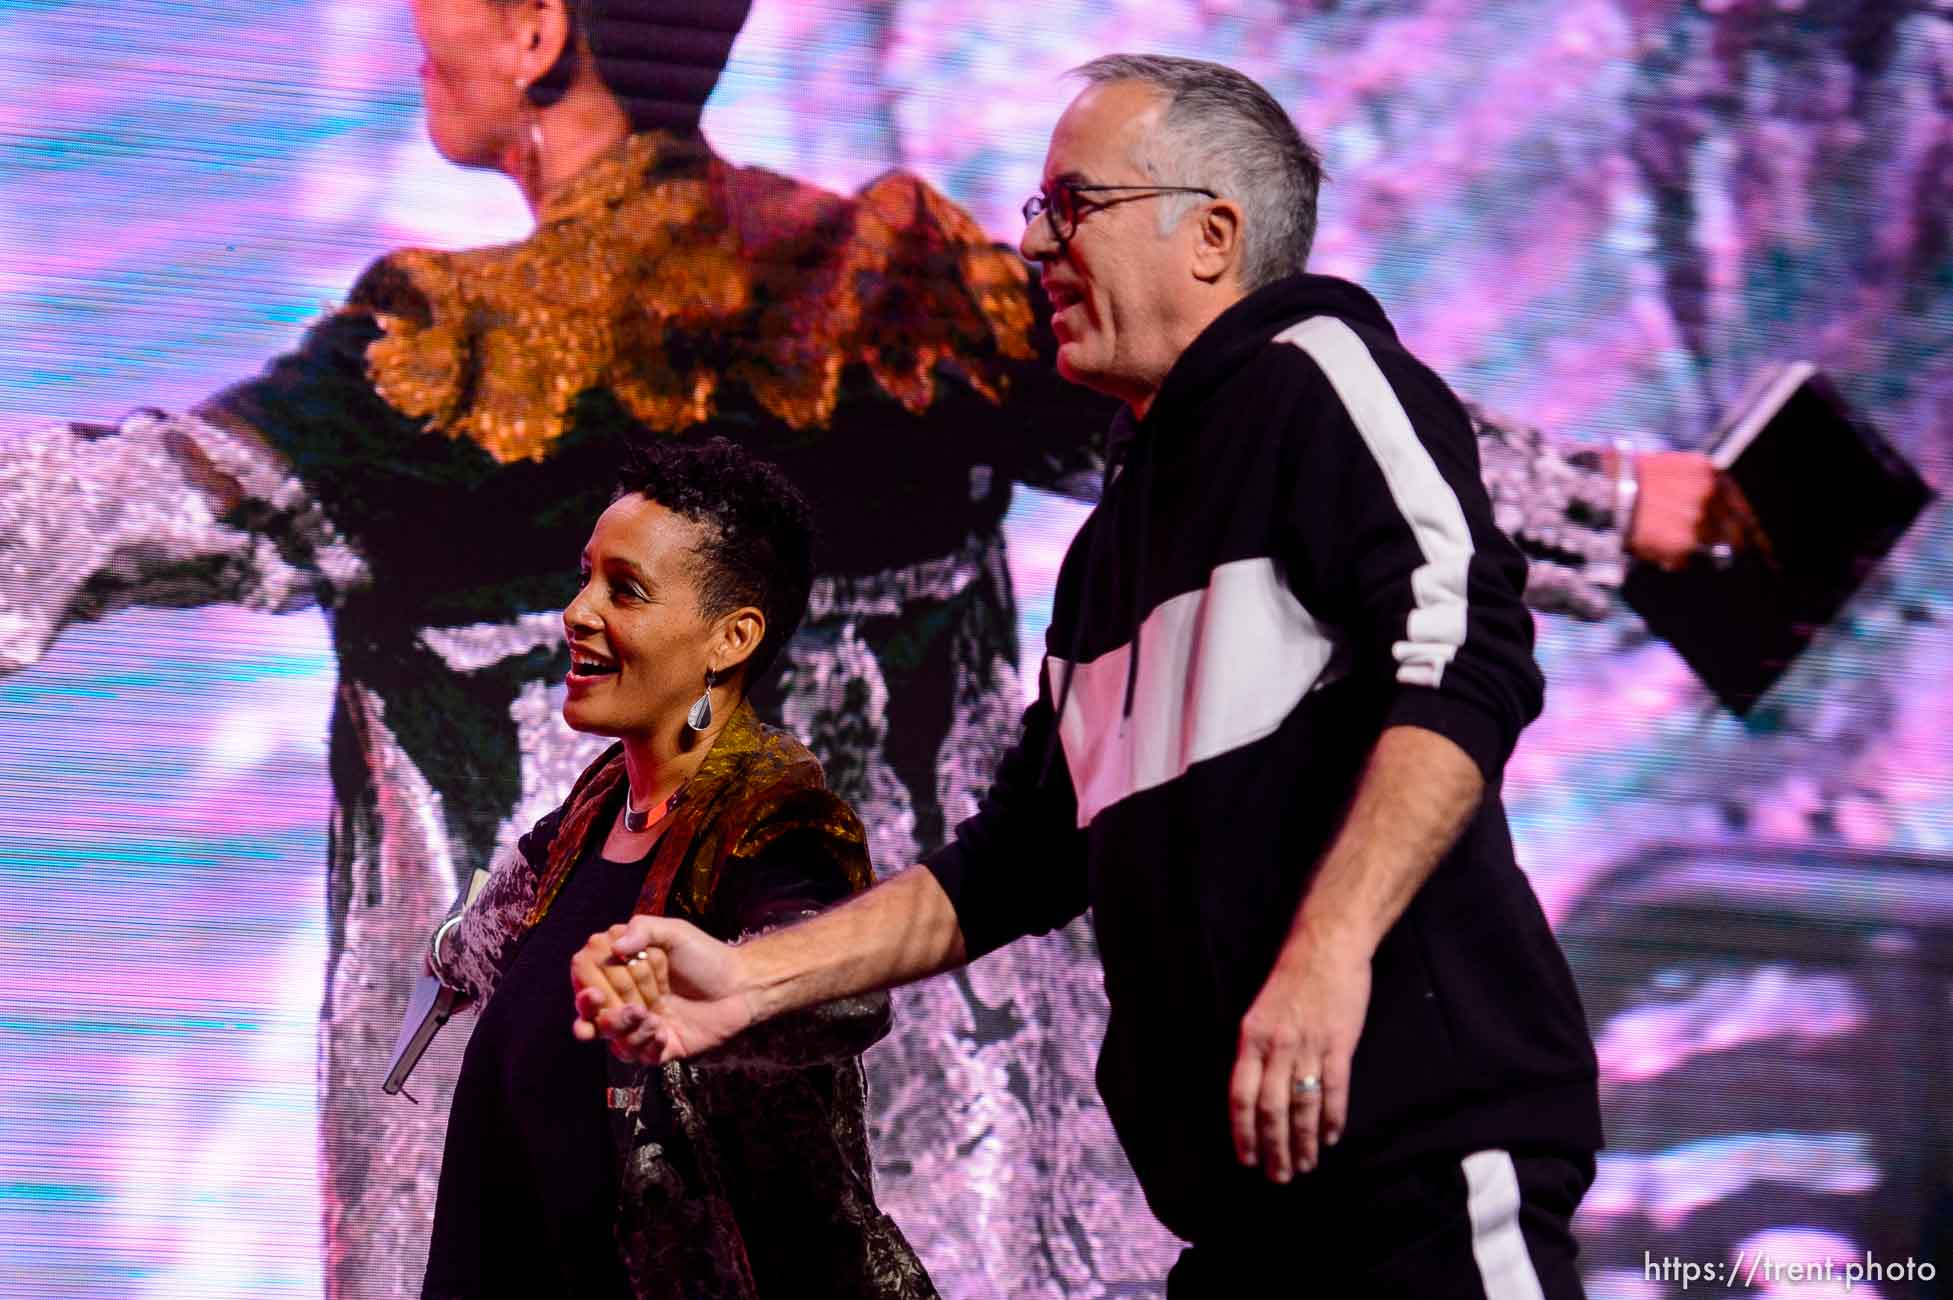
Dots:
pixel 658 989
pixel 602 982
pixel 1671 512
pixel 1685 508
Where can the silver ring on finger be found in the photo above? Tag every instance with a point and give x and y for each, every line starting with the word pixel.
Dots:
pixel 1307 1086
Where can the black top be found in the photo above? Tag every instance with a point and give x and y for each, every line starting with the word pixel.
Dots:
pixel 528 1195
pixel 1296 551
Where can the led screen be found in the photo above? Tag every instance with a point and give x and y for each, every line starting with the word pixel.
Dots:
pixel 1601 218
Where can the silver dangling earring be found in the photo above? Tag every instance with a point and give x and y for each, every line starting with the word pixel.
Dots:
pixel 701 715
pixel 535 129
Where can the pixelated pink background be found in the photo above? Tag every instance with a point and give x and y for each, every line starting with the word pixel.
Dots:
pixel 1599 215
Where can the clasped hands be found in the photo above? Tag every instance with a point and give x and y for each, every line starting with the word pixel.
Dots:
pixel 657 989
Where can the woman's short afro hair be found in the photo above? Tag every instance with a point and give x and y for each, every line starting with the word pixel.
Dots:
pixel 757 533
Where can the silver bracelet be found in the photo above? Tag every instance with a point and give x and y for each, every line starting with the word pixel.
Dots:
pixel 434 962
pixel 1627 486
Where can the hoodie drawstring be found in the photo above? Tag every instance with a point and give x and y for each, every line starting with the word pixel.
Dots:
pixel 1092 554
pixel 1140 477
pixel 1139 471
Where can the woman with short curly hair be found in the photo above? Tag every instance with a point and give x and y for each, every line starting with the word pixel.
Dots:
pixel 747 1175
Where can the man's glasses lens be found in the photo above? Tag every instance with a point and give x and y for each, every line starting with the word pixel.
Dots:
pixel 1060 208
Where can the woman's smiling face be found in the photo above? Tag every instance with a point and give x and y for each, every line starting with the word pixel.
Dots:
pixel 639 643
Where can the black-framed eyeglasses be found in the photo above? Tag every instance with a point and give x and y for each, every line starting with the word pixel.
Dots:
pixel 1064 209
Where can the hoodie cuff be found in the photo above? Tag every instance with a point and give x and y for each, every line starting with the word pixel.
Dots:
pixel 951 866
pixel 1465 725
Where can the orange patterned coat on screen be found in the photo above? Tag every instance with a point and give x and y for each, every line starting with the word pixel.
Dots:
pixel 665 293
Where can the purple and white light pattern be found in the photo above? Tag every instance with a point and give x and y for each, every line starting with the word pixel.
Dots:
pixel 1598 215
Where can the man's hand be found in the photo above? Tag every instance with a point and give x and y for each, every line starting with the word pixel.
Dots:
pixel 1416 794
pixel 1289 1096
pixel 658 989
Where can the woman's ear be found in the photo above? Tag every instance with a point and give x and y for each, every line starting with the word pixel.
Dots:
pixel 543 33
pixel 740 634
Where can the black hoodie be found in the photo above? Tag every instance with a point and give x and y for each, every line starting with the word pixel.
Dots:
pixel 1295 551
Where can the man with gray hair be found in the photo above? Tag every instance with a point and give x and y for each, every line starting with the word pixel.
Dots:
pixel 1286 664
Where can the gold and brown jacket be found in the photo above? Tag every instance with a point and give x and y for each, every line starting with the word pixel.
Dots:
pixel 745 1172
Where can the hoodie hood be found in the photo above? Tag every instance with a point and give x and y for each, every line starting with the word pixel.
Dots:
pixel 1236 335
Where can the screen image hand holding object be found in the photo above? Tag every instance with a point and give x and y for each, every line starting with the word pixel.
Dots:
pixel 430 1006
pixel 1827 498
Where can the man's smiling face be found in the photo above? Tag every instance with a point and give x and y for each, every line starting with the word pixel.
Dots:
pixel 1113 284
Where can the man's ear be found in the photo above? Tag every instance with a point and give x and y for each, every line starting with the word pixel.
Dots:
pixel 1217 241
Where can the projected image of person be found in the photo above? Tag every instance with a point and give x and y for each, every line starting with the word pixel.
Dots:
pixel 745 1176
pixel 420 463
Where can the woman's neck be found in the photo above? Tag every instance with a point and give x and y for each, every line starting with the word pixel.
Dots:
pixel 576 131
pixel 657 765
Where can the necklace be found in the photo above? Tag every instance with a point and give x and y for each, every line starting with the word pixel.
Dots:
pixel 638 822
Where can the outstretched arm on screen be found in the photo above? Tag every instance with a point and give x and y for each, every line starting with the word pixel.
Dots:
pixel 160 509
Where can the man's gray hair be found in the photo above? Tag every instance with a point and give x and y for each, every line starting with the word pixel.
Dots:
pixel 1223 132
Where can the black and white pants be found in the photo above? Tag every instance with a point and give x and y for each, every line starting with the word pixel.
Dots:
pixel 1489 1226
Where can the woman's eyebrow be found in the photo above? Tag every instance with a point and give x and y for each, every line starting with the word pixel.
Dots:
pixel 628 565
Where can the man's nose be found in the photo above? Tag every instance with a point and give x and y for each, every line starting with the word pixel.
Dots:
pixel 1037 245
